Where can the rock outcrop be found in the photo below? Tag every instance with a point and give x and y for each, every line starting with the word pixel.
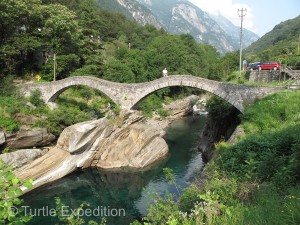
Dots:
pixel 215 130
pixel 2 137
pixel 28 138
pixel 136 146
pixel 111 144
pixel 22 157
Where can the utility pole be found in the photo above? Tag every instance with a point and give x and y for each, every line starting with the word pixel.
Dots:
pixel 298 45
pixel 54 66
pixel 241 13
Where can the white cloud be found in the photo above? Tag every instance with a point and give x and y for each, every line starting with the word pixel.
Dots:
pixel 228 9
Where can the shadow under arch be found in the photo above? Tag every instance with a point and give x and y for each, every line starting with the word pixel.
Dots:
pixel 218 93
pixel 79 86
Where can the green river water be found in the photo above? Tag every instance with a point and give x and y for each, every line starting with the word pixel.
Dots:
pixel 121 197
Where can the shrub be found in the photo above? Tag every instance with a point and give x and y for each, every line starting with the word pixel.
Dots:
pixel 150 104
pixel 188 198
pixel 62 117
pixel 9 192
pixel 9 124
pixel 163 113
pixel 36 98
pixel 7 87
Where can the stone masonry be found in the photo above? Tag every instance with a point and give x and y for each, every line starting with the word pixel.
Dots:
pixel 128 95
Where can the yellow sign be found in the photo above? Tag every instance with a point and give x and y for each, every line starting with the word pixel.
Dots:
pixel 38 77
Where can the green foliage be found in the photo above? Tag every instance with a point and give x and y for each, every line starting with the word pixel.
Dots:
pixel 73 217
pixel 150 104
pixel 218 108
pixel 255 181
pixel 9 124
pixel 91 41
pixel 273 156
pixel 161 209
pixel 279 44
pixel 118 72
pixel 188 198
pixel 276 111
pixel 36 98
pixel 170 177
pixel 7 87
pixel 10 185
pixel 271 150
pixel 62 117
pixel 163 113
pixel 268 206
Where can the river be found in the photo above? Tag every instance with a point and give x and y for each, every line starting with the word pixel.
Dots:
pixel 121 197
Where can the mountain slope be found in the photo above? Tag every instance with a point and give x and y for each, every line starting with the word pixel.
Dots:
pixel 181 17
pixel 132 10
pixel 282 39
pixel 234 31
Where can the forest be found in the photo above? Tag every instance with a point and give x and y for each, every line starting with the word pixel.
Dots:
pixel 89 41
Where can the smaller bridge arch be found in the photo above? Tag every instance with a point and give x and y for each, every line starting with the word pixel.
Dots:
pixel 128 95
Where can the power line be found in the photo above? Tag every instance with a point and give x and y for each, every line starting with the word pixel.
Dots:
pixel 241 12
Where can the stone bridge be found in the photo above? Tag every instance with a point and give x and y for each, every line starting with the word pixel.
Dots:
pixel 128 95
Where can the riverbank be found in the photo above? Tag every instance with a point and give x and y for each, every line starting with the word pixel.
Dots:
pixel 255 181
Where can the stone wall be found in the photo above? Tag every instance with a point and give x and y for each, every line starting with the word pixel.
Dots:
pixel 272 75
pixel 267 75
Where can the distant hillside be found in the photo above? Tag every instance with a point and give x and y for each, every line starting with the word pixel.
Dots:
pixel 182 17
pixel 131 9
pixel 234 31
pixel 283 39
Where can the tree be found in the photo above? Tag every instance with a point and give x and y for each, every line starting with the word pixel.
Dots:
pixel 118 72
pixel 17 28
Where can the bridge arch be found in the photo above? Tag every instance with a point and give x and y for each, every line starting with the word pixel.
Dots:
pixel 59 92
pixel 222 90
pixel 50 91
pixel 136 102
pixel 128 95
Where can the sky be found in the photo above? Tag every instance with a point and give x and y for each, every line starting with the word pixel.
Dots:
pixel 261 16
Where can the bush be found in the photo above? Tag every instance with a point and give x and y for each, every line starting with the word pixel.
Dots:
pixel 7 87
pixel 219 109
pixel 188 198
pixel 10 105
pixel 9 124
pixel 163 113
pixel 9 192
pixel 150 104
pixel 271 156
pixel 36 98
pixel 60 118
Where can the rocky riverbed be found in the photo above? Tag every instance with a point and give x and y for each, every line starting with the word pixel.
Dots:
pixel 128 141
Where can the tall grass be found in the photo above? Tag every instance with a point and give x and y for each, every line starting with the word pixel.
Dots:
pixel 273 113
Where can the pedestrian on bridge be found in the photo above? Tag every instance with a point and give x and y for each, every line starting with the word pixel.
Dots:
pixel 165 72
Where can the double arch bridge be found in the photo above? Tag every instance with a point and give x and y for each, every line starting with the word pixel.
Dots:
pixel 128 95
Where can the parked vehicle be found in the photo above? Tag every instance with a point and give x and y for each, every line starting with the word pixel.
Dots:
pixel 253 66
pixel 269 66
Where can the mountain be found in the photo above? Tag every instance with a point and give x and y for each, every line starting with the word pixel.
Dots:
pixel 234 31
pixel 132 9
pixel 182 17
pixel 284 38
